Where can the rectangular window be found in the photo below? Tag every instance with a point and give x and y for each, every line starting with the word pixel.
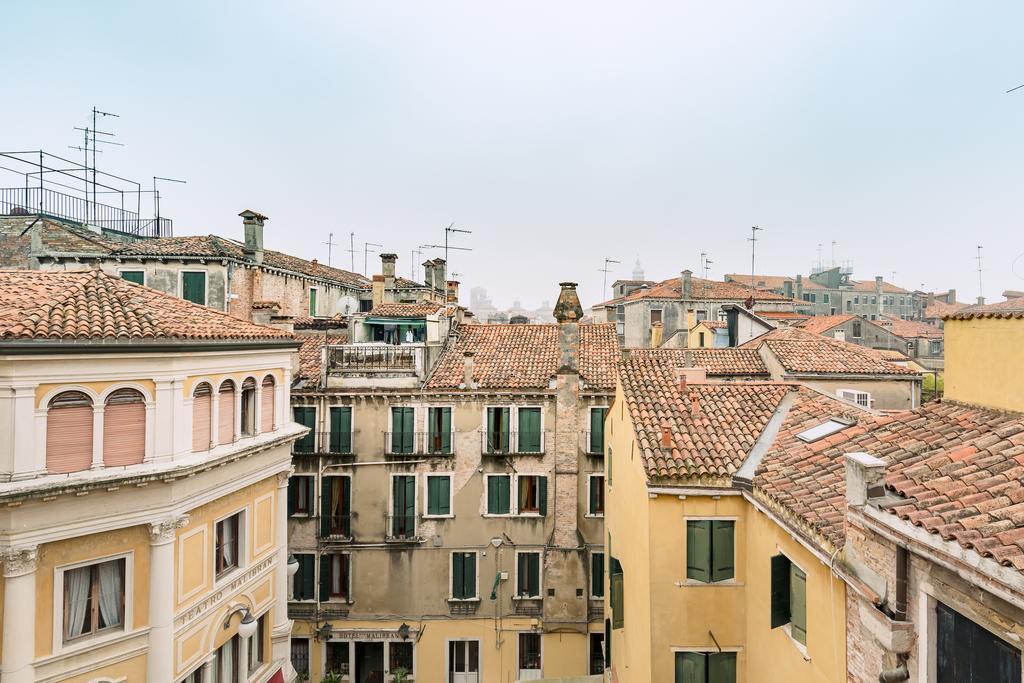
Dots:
pixel 341 429
pixel 849 305
pixel 312 301
pixel 528 574
pixel 596 499
pixel 301 494
pixel 498 494
pixel 337 658
pixel 705 667
pixel 856 300
pixel 336 507
pixel 305 416
pixel 400 657
pixel 789 598
pixel 596 575
pixel 335 576
pixel 439 431
pixel 403 506
pixel 530 435
pixel 655 315
pixel 256 649
pixel 935 348
pixel 861 398
pixel 701 343
pixel 94 598
pixel 136 276
pixel 710 550
pixel 304 581
pixel 402 430
pixel 824 298
pixel 529 653
pixel 498 430
pixel 226 660
pixel 533 495
pixel 439 495
pixel 856 329
pixel 702 315
pixel 463 576
pixel 300 655
pixel 595 440
pixel 193 286
pixel 616 581
pixel 969 653
pixel 227 545
pixel 596 665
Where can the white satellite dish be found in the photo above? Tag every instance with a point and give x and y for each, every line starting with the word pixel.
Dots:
pixel 348 305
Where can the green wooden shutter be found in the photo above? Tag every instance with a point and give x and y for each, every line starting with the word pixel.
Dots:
pixel 498 430
pixel 542 494
pixel 615 585
pixel 722 550
pixel 458 581
pixel 529 430
pixel 325 506
pixel 444 495
pixel 293 495
pixel 597 575
pixel 597 416
pixel 698 550
pixel 498 494
pixel 407 430
pixel 432 492
pixel 305 416
pixel 593 494
pixel 691 667
pixel 798 604
pixel 136 276
pixel 341 430
pixel 722 667
pixel 780 590
pixel 469 575
pixel 312 302
pixel 325 578
pixel 535 574
pixel 193 287
pixel 345 509
pixel 446 430
pixel 308 577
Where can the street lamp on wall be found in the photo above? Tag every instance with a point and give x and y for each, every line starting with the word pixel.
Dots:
pixel 247 626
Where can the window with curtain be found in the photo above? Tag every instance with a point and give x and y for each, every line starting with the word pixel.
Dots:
pixel 463 576
pixel 69 433
pixel 595 441
pixel 300 495
pixel 528 575
pixel 257 654
pixel 124 428
pixel 335 576
pixel 94 598
pixel 439 495
pixel 225 661
pixel 529 431
pixel 439 431
pixel 402 430
pixel 533 495
pixel 710 550
pixel 341 429
pixel 336 507
pixel 226 548
pixel 300 655
pixel 705 667
pixel 498 430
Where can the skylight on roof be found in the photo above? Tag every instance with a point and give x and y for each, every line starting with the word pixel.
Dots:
pixel 827 428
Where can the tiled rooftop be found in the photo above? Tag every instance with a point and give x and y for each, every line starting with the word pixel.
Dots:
pixel 420 310
pixel 525 356
pixel 800 351
pixel 822 323
pixel 702 289
pixel 90 305
pixel 1011 308
pixel 310 356
pixel 731 362
pixel 910 329
pixel 940 309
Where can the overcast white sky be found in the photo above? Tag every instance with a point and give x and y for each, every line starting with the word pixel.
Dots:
pixel 560 133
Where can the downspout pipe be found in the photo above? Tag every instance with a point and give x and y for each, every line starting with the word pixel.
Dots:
pixel 900 672
pixel 895 675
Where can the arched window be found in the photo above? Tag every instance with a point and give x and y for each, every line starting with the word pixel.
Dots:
pixel 202 417
pixel 124 428
pixel 226 408
pixel 249 407
pixel 69 433
pixel 267 404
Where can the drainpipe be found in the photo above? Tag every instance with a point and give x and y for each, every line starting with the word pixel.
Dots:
pixel 900 672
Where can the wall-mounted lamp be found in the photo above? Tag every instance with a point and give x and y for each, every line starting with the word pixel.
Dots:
pixel 247 626
pixel 293 566
pixel 403 631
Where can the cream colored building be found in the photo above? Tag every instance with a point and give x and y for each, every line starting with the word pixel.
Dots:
pixel 144 462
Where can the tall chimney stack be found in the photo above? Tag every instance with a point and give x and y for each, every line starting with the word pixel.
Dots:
pixel 440 275
pixel 387 264
pixel 253 222
pixel 686 284
pixel 467 370
pixel 453 292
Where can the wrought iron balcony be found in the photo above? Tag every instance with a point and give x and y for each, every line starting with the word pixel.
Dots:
pixel 418 443
pixel 402 528
pixel 513 443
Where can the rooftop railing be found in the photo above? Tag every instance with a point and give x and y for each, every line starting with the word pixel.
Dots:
pixel 37 201
pixel 375 358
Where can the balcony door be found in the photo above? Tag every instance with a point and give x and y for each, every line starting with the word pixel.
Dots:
pixel 464 661
pixel 369 662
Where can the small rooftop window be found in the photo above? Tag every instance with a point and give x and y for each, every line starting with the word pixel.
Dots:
pixel 827 428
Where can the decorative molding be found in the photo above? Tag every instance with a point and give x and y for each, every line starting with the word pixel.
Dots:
pixel 20 561
pixel 166 530
pixel 284 476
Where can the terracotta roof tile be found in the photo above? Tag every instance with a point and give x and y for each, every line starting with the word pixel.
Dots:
pixel 525 356
pixel 940 309
pixel 702 289
pixel 910 329
pixel 1011 308
pixel 419 310
pixel 731 362
pixel 90 305
pixel 822 323
pixel 310 356
pixel 800 351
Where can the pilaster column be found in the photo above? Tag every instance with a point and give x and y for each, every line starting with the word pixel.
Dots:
pixel 160 657
pixel 167 424
pixel 282 632
pixel 27 455
pixel 243 657
pixel 19 605
pixel 97 437
pixel 206 671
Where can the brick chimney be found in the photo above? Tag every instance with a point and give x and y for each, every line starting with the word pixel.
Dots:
pixel 428 273
pixel 467 370
pixel 452 296
pixel 799 287
pixel 387 265
pixel 378 290
pixel 865 478
pixel 252 223
pixel 686 282
pixel 440 275
pixel 657 334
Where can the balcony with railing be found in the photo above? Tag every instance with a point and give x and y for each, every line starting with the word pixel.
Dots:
pixel 383 365
pixel 402 528
pixel 418 443
pixel 513 443
pixel 336 529
pixel 324 443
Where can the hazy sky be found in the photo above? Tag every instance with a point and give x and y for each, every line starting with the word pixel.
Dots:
pixel 561 133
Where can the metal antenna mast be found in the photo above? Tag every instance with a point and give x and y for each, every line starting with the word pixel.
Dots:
pixel 606 270
pixel 352 250
pixel 156 193
pixel 834 243
pixel 412 257
pixel 96 112
pixel 366 253
pixel 448 231
pixel 753 243
pixel 981 291
pixel 330 243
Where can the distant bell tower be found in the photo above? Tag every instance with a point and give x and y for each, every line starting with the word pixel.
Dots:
pixel 638 271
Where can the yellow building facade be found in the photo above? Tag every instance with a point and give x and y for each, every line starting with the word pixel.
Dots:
pixel 143 486
pixel 981 368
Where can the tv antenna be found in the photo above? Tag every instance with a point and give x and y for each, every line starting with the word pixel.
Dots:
pixel 352 250
pixel 753 243
pixel 981 291
pixel 412 257
pixel 156 193
pixel 606 270
pixel 1017 88
pixel 448 231
pixel 366 252
pixel 330 243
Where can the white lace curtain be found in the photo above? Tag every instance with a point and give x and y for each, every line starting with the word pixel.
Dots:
pixel 77 583
pixel 227 550
pixel 111 593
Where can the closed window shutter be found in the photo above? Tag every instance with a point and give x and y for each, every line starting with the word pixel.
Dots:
pixel 124 429
pixel 325 506
pixel 542 494
pixel 722 547
pixel 267 405
pixel 691 667
pixel 432 494
pixel 325 577
pixel 407 430
pixel 529 430
pixel 457 571
pixel 597 429
pixel 202 406
pixel 593 495
pixel 615 585
pixel 498 495
pixel 293 494
pixel 193 287
pixel 722 667
pixel 780 590
pixel 341 430
pixel 597 575
pixel 226 419
pixel 438 494
pixel 798 604
pixel 69 434
pixel 534 564
pixel 469 576
pixel 698 550
pixel 309 577
pixel 410 496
